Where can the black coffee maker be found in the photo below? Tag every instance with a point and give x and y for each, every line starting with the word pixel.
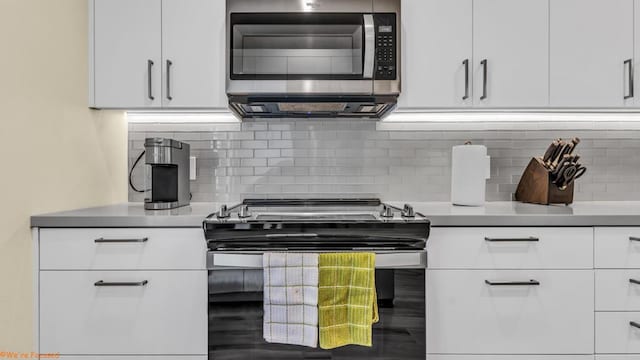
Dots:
pixel 167 174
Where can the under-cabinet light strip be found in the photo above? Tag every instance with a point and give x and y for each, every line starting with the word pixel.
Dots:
pixel 519 117
pixel 140 117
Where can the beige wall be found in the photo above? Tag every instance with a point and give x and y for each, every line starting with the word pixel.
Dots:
pixel 55 153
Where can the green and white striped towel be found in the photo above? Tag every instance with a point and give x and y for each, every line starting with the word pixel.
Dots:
pixel 291 298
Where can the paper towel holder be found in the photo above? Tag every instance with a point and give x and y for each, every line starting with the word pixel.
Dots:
pixel 469 176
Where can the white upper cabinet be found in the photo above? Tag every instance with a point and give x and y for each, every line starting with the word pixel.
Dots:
pixel 448 44
pixel 511 52
pixel 193 48
pixel 636 60
pixel 590 42
pixel 158 53
pixel 126 54
pixel 437 47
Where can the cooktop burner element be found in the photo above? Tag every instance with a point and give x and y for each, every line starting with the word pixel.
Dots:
pixel 315 224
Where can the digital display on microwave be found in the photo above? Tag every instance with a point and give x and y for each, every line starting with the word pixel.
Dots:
pixel 385 29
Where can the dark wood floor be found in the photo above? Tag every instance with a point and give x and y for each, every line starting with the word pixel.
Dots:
pixel 235 329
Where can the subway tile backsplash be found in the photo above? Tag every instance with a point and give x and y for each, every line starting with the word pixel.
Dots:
pixel 325 158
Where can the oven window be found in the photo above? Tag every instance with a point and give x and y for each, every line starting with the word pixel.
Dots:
pixel 236 311
pixel 296 46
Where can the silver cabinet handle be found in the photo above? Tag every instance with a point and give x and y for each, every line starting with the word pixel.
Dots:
pixel 149 80
pixel 512 283
pixel 104 283
pixel 466 79
pixel 629 62
pixel 634 324
pixel 169 63
pixel 369 46
pixel 526 239
pixel 103 240
pixel 485 65
pixel 634 238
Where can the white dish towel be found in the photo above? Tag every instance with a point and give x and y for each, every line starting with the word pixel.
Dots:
pixel 291 298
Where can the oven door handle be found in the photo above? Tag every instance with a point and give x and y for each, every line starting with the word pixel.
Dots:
pixel 369 46
pixel 253 260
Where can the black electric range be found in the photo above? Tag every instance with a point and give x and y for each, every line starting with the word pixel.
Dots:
pixel 315 224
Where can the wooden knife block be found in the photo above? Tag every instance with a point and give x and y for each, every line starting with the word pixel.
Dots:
pixel 535 186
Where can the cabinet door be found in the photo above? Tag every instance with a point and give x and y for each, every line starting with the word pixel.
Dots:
pixel 511 248
pixel 467 315
pixel 617 290
pixel 193 52
pixel 513 37
pixel 617 248
pixel 590 42
pixel 616 335
pixel 158 313
pixel 126 44
pixel 122 249
pixel 636 56
pixel 437 40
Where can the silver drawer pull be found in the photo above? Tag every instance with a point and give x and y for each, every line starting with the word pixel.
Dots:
pixel 634 281
pixel 634 324
pixel 527 239
pixel 103 240
pixel 304 235
pixel 512 283
pixel 634 238
pixel 104 283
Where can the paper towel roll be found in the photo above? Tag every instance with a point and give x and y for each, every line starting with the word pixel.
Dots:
pixel 470 169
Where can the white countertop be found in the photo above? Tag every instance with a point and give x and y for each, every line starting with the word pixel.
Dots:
pixel 591 213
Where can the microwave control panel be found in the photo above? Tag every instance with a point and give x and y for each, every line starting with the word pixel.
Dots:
pixel 386 46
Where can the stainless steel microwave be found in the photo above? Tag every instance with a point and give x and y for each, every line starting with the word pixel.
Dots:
pixel 313 58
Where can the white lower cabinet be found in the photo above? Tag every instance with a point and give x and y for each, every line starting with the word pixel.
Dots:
pixel 616 335
pixel 511 248
pixel 122 249
pixel 617 248
pixel 618 290
pixel 483 312
pixel 132 313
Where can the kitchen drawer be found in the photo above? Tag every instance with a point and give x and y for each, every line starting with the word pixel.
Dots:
pixel 616 357
pixel 166 316
pixel 614 334
pixel 511 357
pixel 164 249
pixel 616 292
pixel 616 248
pixel 471 248
pixel 181 357
pixel 465 315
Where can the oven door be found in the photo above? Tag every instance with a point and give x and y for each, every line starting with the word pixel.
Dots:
pixel 236 311
pixel 301 53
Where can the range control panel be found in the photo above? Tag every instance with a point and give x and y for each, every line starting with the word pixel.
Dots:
pixel 386 46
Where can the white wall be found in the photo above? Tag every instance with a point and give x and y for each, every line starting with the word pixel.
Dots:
pixel 55 153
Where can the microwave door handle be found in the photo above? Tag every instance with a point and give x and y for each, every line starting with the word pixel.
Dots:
pixel 369 46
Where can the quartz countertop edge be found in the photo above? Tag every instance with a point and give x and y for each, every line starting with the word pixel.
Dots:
pixel 441 214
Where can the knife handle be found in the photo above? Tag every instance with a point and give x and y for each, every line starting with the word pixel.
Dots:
pixel 550 151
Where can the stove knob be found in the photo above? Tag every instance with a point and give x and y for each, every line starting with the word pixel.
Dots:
pixel 223 213
pixel 387 212
pixel 408 211
pixel 244 212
